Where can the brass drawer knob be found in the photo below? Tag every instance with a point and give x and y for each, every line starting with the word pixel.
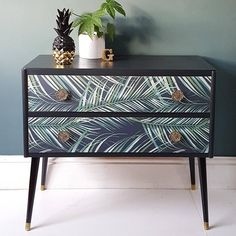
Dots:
pixel 175 137
pixel 177 96
pixel 62 95
pixel 63 136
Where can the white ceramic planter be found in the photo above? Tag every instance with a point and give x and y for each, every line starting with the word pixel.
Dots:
pixel 91 48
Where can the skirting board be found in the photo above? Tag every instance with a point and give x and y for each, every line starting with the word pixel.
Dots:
pixel 72 173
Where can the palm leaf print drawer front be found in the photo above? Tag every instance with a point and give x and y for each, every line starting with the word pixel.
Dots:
pixel 68 93
pixel 150 135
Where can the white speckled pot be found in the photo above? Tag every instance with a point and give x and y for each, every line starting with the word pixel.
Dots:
pixel 91 48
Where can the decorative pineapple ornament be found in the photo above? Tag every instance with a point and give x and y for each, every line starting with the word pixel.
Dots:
pixel 63 45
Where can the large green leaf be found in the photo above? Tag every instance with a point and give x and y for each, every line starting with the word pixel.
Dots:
pixel 119 8
pixel 87 23
pixel 111 30
pixel 111 6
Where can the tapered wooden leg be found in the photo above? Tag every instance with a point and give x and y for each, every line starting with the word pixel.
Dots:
pixel 44 173
pixel 203 185
pixel 31 194
pixel 192 172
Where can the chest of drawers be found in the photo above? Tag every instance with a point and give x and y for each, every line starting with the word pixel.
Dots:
pixel 137 106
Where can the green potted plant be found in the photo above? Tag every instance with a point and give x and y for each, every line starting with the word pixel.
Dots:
pixel 93 26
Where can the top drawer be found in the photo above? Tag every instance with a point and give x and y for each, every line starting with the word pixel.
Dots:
pixel 55 93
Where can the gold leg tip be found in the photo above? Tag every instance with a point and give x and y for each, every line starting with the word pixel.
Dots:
pixel 27 226
pixel 43 187
pixel 206 225
pixel 193 187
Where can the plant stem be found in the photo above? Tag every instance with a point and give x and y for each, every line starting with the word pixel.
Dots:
pixel 75 14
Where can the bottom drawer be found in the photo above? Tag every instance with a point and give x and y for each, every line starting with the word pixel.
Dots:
pixel 118 135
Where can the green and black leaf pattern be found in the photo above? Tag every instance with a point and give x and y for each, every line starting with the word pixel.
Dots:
pixel 118 135
pixel 119 93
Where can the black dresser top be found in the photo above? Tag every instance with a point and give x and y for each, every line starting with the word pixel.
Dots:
pixel 163 65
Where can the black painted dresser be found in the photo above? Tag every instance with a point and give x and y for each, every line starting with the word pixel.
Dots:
pixel 136 106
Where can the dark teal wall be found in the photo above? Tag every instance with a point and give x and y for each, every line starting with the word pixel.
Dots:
pixel 202 27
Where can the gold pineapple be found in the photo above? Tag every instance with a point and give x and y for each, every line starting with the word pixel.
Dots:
pixel 63 45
